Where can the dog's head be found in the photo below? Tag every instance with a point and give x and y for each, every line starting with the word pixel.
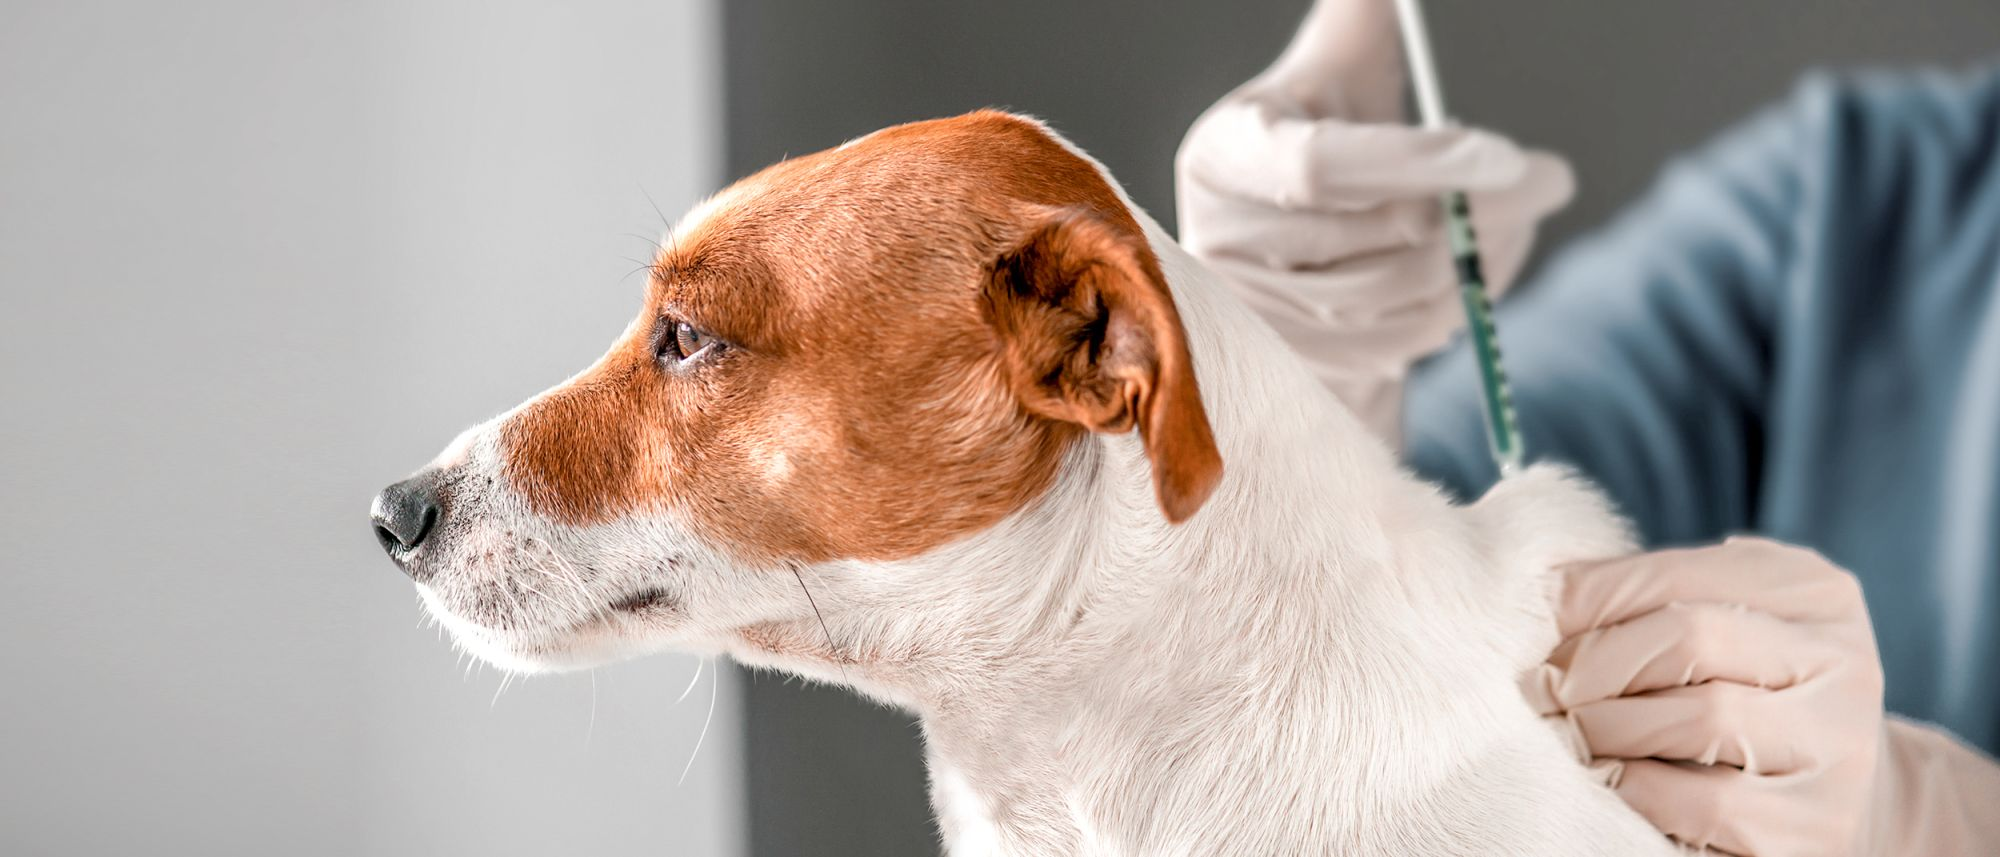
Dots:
pixel 852 357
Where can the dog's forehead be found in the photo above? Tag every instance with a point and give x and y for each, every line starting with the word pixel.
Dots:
pixel 967 165
pixel 905 195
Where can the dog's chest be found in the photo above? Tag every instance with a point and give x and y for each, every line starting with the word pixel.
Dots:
pixel 1171 768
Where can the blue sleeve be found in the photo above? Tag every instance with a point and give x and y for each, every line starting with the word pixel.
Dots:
pixel 1796 332
pixel 1640 353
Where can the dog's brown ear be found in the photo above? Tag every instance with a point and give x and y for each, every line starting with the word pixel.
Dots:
pixel 1090 336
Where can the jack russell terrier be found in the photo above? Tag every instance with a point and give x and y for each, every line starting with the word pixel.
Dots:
pixel 919 415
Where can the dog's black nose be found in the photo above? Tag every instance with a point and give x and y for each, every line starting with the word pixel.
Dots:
pixel 403 514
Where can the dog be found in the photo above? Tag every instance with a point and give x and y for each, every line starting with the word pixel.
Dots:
pixel 919 415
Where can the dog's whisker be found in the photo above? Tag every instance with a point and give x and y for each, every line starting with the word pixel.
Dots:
pixel 832 649
pixel 588 606
pixel 714 685
pixel 664 222
pixel 537 591
pixel 653 241
pixel 573 597
pixel 628 274
pixel 572 579
pixel 500 690
pixel 568 599
pixel 666 269
pixel 516 615
pixel 691 682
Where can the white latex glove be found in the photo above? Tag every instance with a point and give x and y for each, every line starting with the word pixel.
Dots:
pixel 1306 191
pixel 1933 796
pixel 1733 696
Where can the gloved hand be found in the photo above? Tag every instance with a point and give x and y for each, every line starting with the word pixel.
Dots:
pixel 1307 192
pixel 1733 696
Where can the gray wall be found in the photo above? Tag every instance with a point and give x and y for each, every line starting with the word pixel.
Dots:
pixel 1617 85
pixel 257 260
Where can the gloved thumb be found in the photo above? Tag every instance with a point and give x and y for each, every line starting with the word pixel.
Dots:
pixel 1346 62
pixel 1250 151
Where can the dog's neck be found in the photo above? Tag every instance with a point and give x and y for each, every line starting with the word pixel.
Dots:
pixel 1085 647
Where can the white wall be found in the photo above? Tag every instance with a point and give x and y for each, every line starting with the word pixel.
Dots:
pixel 258 259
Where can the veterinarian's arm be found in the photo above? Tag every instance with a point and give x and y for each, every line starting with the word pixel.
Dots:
pixel 1308 192
pixel 1732 695
pixel 1649 354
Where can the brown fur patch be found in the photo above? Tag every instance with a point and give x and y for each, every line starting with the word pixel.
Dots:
pixel 864 406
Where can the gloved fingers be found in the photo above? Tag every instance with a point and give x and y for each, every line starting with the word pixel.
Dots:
pixel 1308 239
pixel 1305 239
pixel 1502 253
pixel 1784 581
pixel 1506 219
pixel 1572 740
pixel 1362 353
pixel 1720 722
pixel 1686 643
pixel 1546 185
pixel 1368 317
pixel 1251 150
pixel 1376 288
pixel 1538 686
pixel 1700 806
pixel 1606 772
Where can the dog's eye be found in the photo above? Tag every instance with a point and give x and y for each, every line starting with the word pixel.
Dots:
pixel 684 342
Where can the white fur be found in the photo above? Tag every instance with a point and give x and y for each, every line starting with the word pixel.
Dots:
pixel 1321 661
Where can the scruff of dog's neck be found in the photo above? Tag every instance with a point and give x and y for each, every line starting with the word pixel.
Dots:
pixel 1091 678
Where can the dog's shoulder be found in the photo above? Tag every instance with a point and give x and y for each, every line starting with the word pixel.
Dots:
pixel 1548 515
pixel 1529 525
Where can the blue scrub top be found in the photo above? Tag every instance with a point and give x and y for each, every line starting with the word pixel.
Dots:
pixel 1795 333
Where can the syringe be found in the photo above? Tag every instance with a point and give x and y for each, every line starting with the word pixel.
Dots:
pixel 1503 433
